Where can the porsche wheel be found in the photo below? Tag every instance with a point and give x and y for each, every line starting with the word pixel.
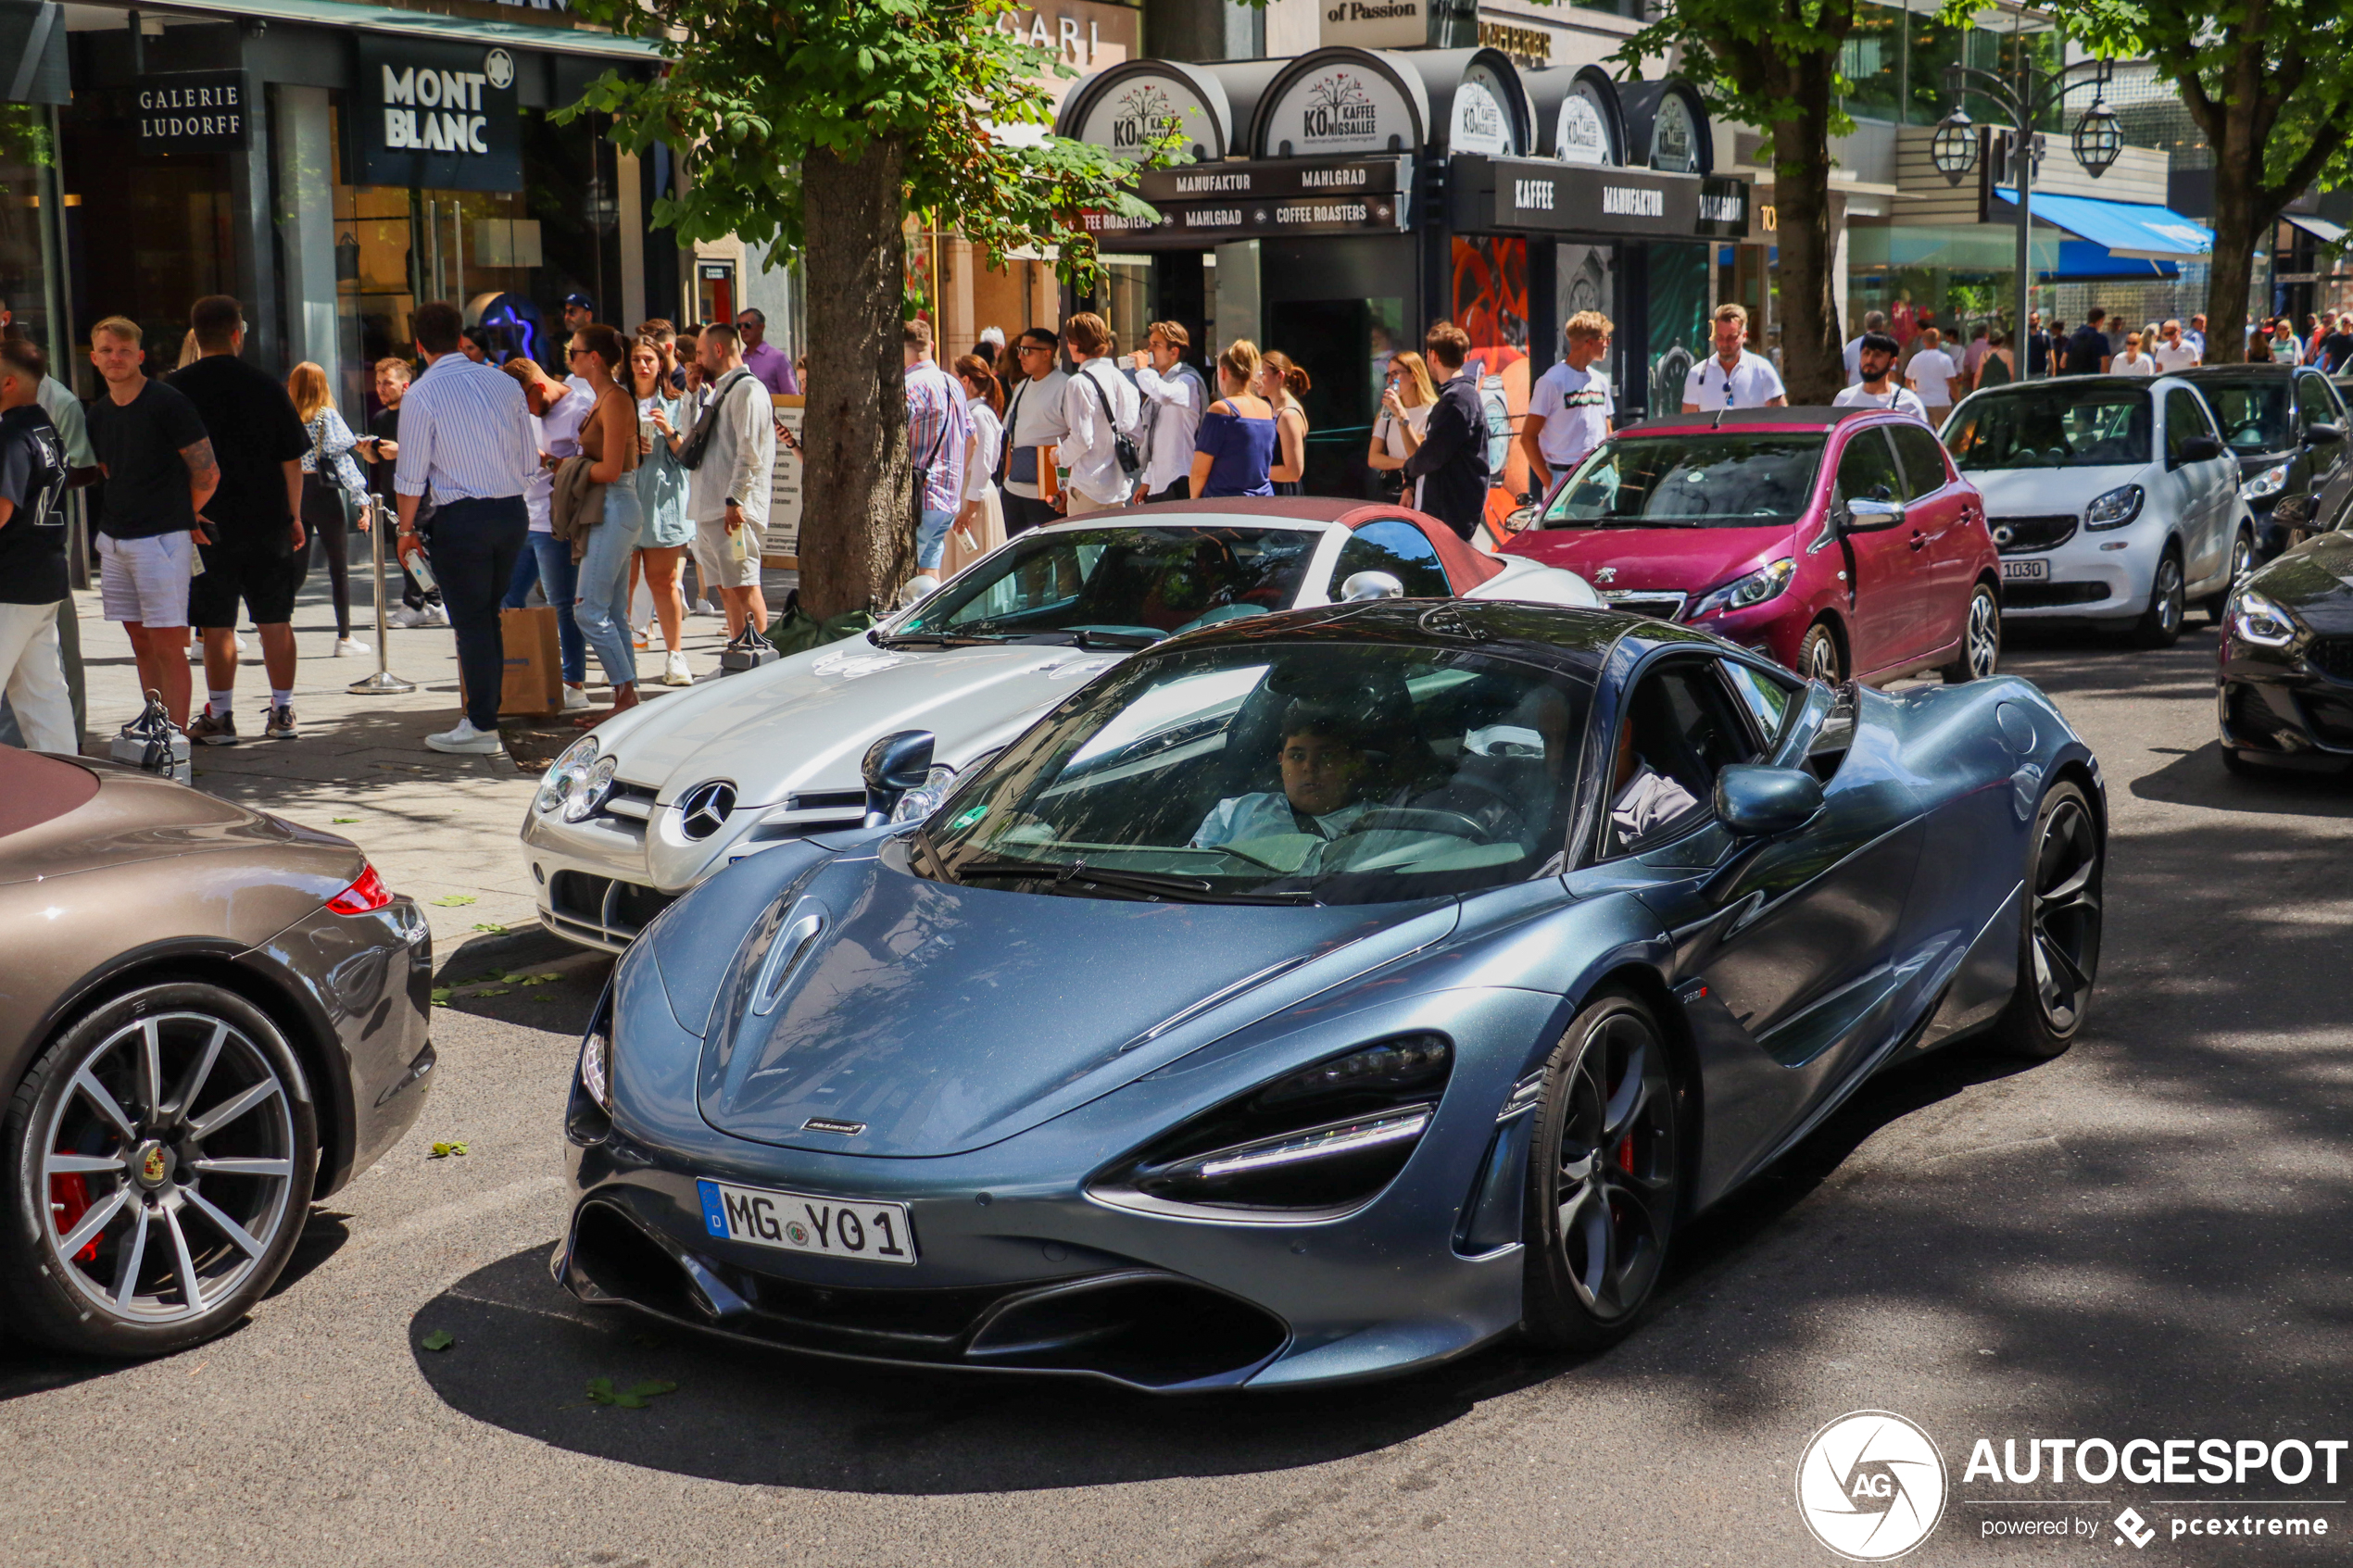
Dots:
pixel 2059 942
pixel 161 1154
pixel 1604 1178
pixel 1818 657
pixel 1981 639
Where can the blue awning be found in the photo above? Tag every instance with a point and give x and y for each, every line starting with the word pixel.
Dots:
pixel 2082 261
pixel 2132 230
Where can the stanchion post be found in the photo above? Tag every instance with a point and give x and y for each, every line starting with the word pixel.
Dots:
pixel 384 682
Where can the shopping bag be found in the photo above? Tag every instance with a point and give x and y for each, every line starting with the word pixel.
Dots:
pixel 534 679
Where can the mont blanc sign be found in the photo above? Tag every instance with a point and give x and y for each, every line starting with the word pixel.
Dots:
pixel 437 116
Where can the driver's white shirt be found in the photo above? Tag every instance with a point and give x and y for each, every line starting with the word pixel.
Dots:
pixel 1649 799
pixel 1902 399
pixel 1266 815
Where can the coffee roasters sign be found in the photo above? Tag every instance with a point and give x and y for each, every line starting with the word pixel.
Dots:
pixel 192 111
pixel 1208 205
pixel 437 116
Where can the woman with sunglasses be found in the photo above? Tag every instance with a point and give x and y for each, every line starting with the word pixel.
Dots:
pixel 1407 396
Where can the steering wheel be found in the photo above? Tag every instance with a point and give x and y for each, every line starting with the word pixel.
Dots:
pixel 1418 819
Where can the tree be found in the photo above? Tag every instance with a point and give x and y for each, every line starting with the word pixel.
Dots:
pixel 2270 82
pixel 1774 64
pixel 822 124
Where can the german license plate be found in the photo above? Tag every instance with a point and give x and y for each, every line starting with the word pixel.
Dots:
pixel 799 1222
pixel 2025 571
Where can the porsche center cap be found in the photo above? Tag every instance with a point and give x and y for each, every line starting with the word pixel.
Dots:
pixel 152 1165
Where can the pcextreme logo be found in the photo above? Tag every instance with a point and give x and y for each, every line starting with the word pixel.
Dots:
pixel 1870 1485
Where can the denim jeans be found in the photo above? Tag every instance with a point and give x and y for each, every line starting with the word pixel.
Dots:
pixel 474 546
pixel 547 560
pixel 601 606
pixel 931 540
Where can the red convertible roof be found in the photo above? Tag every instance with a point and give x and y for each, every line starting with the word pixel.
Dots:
pixel 1465 564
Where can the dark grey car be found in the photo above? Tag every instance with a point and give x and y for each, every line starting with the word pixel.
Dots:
pixel 2285 424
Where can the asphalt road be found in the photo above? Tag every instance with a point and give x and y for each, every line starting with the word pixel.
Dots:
pixel 2148 1236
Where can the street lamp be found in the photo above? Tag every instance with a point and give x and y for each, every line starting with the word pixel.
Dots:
pixel 2097 142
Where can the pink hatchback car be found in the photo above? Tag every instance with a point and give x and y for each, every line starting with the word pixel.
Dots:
pixel 1840 541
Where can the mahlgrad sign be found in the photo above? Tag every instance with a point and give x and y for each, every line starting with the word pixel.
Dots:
pixel 434 116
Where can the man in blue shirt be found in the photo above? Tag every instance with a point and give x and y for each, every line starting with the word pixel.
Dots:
pixel 1324 770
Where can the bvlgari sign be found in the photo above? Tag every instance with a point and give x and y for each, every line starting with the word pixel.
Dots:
pixel 434 116
pixel 192 111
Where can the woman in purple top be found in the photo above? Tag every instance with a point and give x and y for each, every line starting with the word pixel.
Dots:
pixel 1234 448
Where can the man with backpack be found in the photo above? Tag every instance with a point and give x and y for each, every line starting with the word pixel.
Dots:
pixel 1450 454
pixel 1173 397
pixel 1100 410
pixel 937 428
pixel 731 455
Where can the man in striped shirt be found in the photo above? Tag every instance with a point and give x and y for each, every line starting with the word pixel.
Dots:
pixel 936 430
pixel 465 439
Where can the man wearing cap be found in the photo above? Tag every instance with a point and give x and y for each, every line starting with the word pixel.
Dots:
pixel 579 311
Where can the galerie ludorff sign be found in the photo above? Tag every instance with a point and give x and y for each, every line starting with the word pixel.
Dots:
pixel 192 111
pixel 435 116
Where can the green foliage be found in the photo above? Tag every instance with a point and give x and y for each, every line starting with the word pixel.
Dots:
pixel 752 89
pixel 603 1392
pixel 439 1339
pixel 444 1150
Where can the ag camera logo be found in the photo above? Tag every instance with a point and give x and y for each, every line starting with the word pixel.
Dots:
pixel 1871 1486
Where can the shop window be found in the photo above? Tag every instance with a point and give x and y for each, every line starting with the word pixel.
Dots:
pixel 27 156
pixel 1872 62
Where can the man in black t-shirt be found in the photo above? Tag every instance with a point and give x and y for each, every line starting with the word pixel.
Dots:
pixel 2088 352
pixel 2336 348
pixel 160 472
pixel 32 555
pixel 256 549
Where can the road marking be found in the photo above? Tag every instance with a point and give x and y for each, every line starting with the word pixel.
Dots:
pixel 443 1216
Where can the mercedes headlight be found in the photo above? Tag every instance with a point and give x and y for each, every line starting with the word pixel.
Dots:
pixel 2265 485
pixel 2255 619
pixel 925 799
pixel 2114 509
pixel 1753 589
pixel 582 802
pixel 568 775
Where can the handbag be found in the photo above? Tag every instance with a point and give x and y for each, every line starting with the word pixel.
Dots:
pixel 697 442
pixel 330 480
pixel 1122 446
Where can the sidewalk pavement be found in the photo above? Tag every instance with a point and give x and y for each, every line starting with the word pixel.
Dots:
pixel 441 829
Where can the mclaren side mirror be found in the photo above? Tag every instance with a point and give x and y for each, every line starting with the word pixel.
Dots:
pixel 1363 585
pixel 1758 802
pixel 2325 433
pixel 2198 449
pixel 894 765
pixel 1871 517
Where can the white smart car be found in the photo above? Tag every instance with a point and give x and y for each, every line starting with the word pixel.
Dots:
pixel 2111 499
pixel 664 795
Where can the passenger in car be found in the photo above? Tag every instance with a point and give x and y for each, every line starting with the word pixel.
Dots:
pixel 1640 797
pixel 1324 770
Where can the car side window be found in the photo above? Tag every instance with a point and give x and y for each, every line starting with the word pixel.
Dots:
pixel 2185 416
pixel 1766 699
pixel 1923 457
pixel 2315 405
pixel 1867 470
pixel 1678 731
pixel 1396 546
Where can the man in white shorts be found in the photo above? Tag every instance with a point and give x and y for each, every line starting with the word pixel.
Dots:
pixel 1569 412
pixel 159 469
pixel 728 495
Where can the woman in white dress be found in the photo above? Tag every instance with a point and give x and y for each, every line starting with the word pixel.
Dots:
pixel 1408 383
pixel 980 525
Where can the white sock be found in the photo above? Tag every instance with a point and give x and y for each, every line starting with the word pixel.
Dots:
pixel 281 697
pixel 216 703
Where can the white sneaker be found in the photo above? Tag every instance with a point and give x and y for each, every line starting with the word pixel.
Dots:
pixel 467 740
pixel 703 609
pixel 406 618
pixel 436 615
pixel 574 699
pixel 349 648
pixel 674 671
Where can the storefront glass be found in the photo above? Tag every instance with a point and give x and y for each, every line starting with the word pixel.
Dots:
pixel 149 233
pixel 27 160
pixel 1677 276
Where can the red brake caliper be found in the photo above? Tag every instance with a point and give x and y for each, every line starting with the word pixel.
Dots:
pixel 1626 1154
pixel 69 1196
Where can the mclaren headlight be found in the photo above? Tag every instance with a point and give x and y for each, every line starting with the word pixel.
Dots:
pixel 1754 589
pixel 2254 618
pixel 566 777
pixel 2114 509
pixel 2265 485
pixel 1323 1139
pixel 924 799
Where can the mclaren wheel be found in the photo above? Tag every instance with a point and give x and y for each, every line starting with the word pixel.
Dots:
pixel 2060 943
pixel 1604 1178
pixel 160 1155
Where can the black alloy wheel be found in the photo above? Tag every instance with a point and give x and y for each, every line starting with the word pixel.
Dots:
pixel 1981 639
pixel 2059 944
pixel 160 1157
pixel 1818 655
pixel 2160 625
pixel 2242 563
pixel 1604 1178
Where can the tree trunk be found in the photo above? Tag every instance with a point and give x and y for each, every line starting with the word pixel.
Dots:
pixel 2237 226
pixel 857 523
pixel 1812 359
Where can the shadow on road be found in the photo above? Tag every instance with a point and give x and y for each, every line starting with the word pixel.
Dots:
pixel 2199 779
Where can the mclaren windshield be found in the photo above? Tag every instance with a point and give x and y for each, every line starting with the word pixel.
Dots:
pixel 1296 773
pixel 1119 585
pixel 1691 478
pixel 2052 425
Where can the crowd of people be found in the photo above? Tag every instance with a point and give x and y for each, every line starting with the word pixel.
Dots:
pixel 217 484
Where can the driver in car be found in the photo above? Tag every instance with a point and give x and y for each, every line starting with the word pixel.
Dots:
pixel 1640 797
pixel 1324 770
